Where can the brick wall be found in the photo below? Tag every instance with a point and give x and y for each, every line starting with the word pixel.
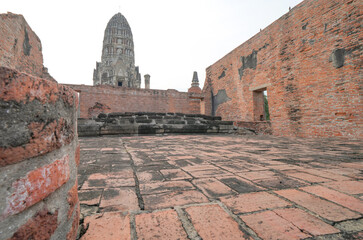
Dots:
pixel 309 61
pixel 104 98
pixel 39 150
pixel 20 47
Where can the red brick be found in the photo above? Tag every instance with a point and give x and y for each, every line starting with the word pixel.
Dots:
pixel 321 207
pixel 307 177
pixel 251 202
pixel 123 199
pixel 171 199
pixel 257 175
pixel 293 58
pixel 212 187
pixel 168 186
pixel 36 185
pixel 212 222
pixel 72 234
pixel 107 226
pixel 45 138
pixel 72 199
pixel 159 225
pixel 337 197
pixel 333 176
pixel 305 221
pixel 40 227
pixel 138 100
pixel 350 187
pixel 77 155
pixel 175 174
pixel 269 225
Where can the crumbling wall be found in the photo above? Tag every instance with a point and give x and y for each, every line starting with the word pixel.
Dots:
pixel 309 61
pixel 20 47
pixel 39 150
pixel 120 99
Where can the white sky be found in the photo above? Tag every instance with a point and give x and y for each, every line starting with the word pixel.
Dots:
pixel 171 38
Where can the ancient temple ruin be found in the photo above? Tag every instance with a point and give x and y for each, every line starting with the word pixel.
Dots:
pixel 117 66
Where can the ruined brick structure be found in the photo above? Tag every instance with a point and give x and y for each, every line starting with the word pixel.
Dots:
pixel 309 62
pixel 117 66
pixel 39 150
pixel 107 99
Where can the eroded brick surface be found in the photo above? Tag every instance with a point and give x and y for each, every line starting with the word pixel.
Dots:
pixel 41 226
pixel 159 225
pixel 110 226
pixel 36 185
pixel 212 222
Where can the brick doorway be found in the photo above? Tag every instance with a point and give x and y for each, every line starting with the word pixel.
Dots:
pixel 260 105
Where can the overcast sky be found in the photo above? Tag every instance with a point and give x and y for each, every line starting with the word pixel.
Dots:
pixel 171 38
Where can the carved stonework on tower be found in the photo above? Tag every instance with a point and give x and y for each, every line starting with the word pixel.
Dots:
pixel 117 66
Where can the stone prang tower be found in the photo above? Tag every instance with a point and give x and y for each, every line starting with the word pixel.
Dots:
pixel 117 66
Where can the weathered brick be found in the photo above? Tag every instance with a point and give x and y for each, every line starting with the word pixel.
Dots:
pixel 45 138
pixel 77 155
pixel 36 185
pixel 305 221
pixel 41 227
pixel 159 225
pixel 321 207
pixel 269 225
pixel 212 222
pixel 295 60
pixel 337 197
pixel 251 202
pixel 72 199
pixel 110 226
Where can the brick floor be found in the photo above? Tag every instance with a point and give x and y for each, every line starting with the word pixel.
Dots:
pixel 220 187
pixel 212 222
pixel 159 225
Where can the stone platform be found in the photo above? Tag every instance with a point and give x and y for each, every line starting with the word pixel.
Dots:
pixel 220 187
pixel 156 123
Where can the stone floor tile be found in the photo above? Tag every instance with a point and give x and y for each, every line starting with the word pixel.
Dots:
pixel 208 173
pixel 94 184
pixel 240 185
pixel 350 187
pixel 306 177
pixel 168 186
pixel 212 222
pixel 107 226
pixel 159 225
pixel 170 199
pixel 175 174
pixel 122 199
pixel 251 202
pixel 90 197
pixel 280 182
pixel 326 174
pixel 269 225
pixel 119 182
pixel 337 197
pixel 305 221
pixel 319 206
pixel 149 176
pixel 351 225
pixel 212 187
pixel 257 175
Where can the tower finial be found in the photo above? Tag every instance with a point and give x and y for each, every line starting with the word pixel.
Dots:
pixel 195 81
